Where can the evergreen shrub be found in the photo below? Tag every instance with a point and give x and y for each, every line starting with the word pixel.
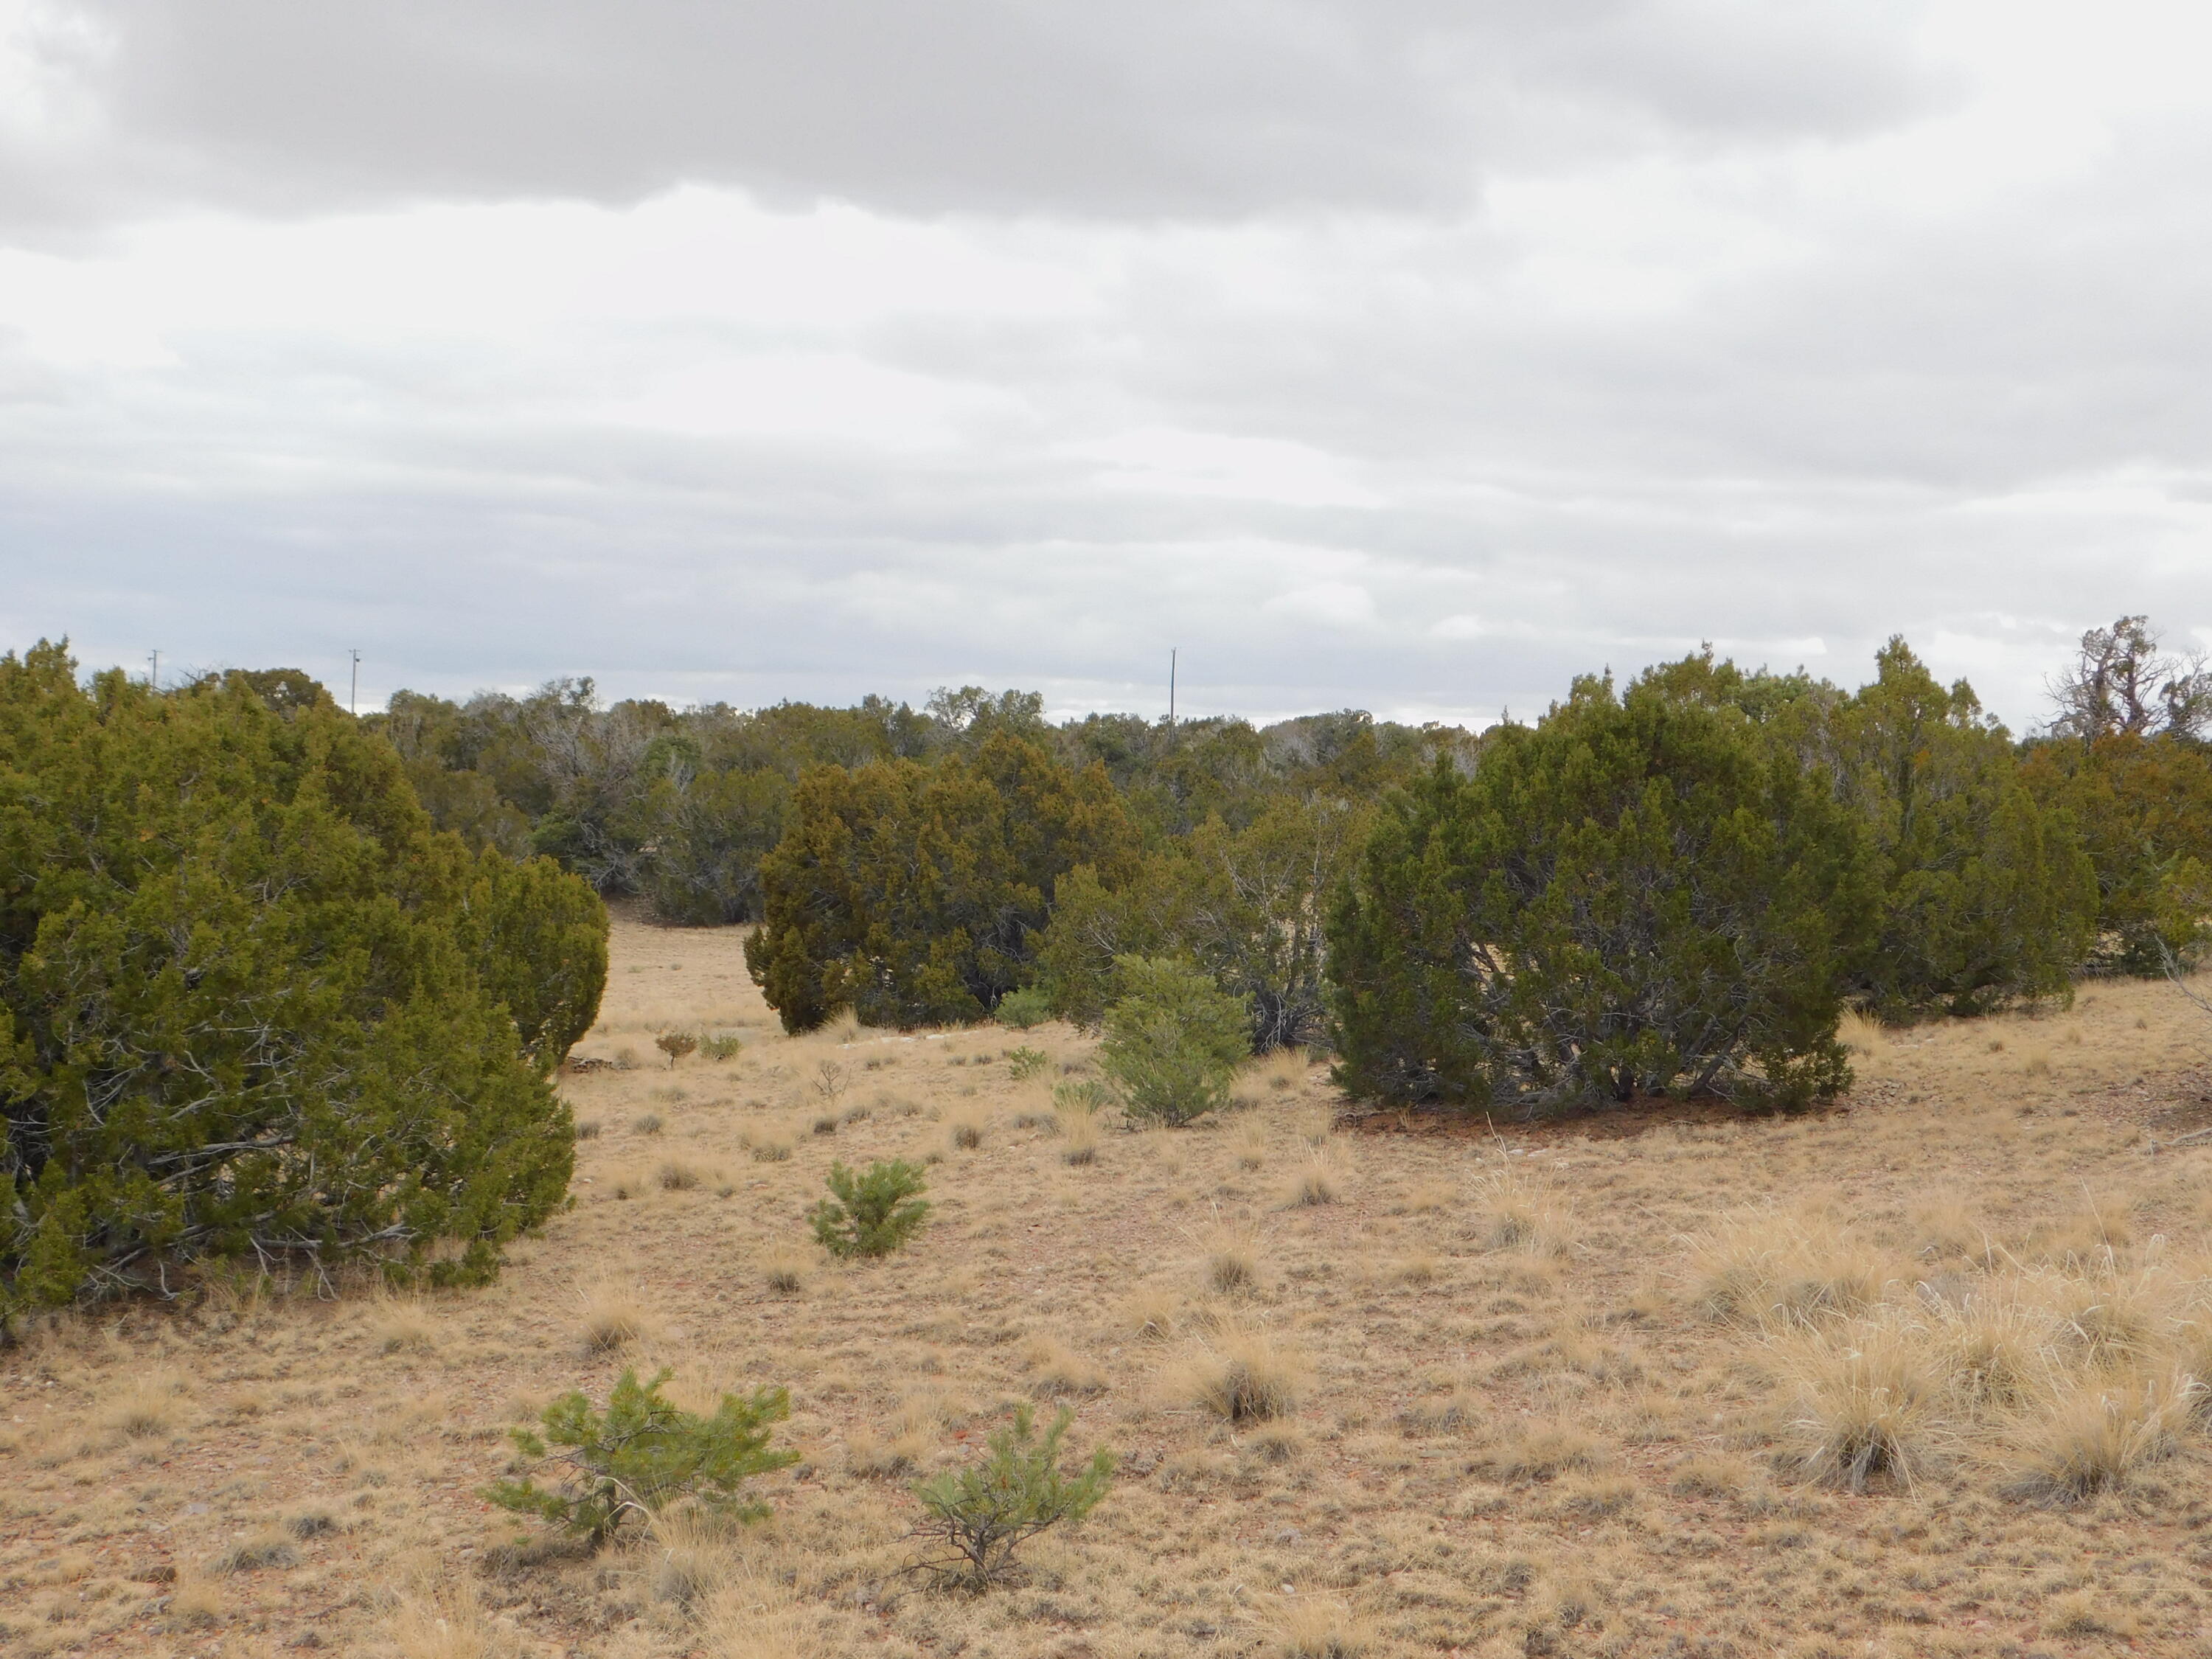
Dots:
pixel 641 1454
pixel 1174 1040
pixel 1641 895
pixel 985 1512
pixel 870 1213
pixel 252 1005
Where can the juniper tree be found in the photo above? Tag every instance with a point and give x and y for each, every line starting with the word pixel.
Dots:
pixel 252 1004
pixel 1637 895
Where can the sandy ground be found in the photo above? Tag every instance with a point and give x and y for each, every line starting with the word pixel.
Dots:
pixel 1567 1390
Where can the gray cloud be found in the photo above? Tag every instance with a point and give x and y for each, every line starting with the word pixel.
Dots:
pixel 1149 107
pixel 1410 356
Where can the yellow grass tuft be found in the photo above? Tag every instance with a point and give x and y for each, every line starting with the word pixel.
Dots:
pixel 1866 1394
pixel 1244 1377
pixel 403 1325
pixel 1514 1212
pixel 784 1267
pixel 1315 1183
pixel 1320 1627
pixel 1055 1369
pixel 1233 1257
pixel 613 1315
pixel 1079 1137
pixel 2087 1434
pixel 1769 1265
pixel 142 1406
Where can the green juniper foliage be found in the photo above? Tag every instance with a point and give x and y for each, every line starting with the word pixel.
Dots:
pixel 913 894
pixel 1174 1040
pixel 252 1004
pixel 985 1512
pixel 1640 895
pixel 870 1213
pixel 642 1453
pixel 1026 1063
pixel 1020 1010
pixel 1247 905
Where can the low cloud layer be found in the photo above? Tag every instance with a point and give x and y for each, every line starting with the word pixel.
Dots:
pixel 1410 356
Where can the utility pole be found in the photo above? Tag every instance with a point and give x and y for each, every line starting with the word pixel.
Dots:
pixel 353 702
pixel 153 670
pixel 1172 684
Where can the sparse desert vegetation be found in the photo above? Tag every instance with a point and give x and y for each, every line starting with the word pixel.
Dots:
pixel 1914 1375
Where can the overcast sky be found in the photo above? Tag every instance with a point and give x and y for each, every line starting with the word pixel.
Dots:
pixel 1413 355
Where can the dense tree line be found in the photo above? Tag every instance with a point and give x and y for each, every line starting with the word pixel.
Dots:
pixel 1580 909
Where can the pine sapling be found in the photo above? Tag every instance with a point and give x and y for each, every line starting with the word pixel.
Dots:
pixel 641 1453
pixel 983 1513
pixel 870 1213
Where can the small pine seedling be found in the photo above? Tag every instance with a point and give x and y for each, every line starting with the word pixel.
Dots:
pixel 985 1512
pixel 676 1045
pixel 873 1212
pixel 641 1453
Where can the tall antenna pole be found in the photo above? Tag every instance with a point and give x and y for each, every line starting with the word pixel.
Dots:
pixel 153 670
pixel 1171 683
pixel 353 702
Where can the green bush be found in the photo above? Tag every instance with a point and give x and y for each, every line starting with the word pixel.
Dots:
pixel 676 1045
pixel 1987 895
pixel 1641 895
pixel 1026 1063
pixel 252 1004
pixel 641 1454
pixel 1021 1010
pixel 1245 904
pixel 724 1047
pixel 1173 1041
pixel 913 894
pixel 870 1213
pixel 985 1512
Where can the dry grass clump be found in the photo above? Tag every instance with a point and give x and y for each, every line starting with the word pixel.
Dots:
pixel 446 1622
pixel 1544 1449
pixel 1315 1183
pixel 784 1269
pixel 1866 1395
pixel 267 1547
pixel 1320 1627
pixel 1079 1136
pixel 1151 1314
pixel 1514 1212
pixel 613 1315
pixel 676 1176
pixel 1993 1348
pixel 143 1407
pixel 197 1601
pixel 2085 1613
pixel 1862 1034
pixel 402 1325
pixel 966 1126
pixel 2113 1316
pixel 2087 1434
pixel 1231 1257
pixel 767 1143
pixel 1772 1266
pixel 1251 1143
pixel 1244 1377
pixel 1055 1369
